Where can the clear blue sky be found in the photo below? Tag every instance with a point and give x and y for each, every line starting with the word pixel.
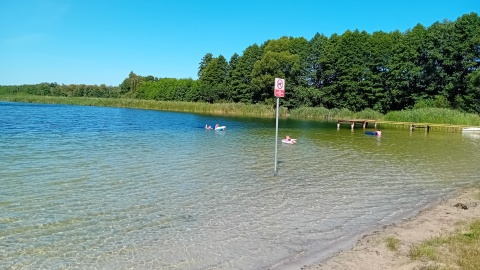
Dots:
pixel 101 41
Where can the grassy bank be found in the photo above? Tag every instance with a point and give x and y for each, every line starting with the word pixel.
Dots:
pixel 194 107
pixel 326 114
pixel 423 115
pixel 457 250
pixel 435 116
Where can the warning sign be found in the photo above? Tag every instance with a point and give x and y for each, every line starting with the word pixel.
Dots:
pixel 279 87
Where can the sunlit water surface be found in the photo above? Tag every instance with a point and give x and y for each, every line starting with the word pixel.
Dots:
pixel 109 188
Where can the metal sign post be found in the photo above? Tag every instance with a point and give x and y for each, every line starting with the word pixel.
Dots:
pixel 276 139
pixel 279 92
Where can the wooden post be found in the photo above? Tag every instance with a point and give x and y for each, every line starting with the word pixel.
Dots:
pixel 353 125
pixel 338 125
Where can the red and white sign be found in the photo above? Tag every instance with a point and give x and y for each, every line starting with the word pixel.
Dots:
pixel 279 87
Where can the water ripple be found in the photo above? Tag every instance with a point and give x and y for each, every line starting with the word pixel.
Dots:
pixel 105 188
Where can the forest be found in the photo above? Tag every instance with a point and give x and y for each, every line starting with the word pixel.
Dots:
pixel 435 66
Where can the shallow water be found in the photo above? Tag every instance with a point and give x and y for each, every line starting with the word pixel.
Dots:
pixel 109 188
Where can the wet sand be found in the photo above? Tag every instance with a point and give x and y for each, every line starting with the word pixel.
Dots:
pixel 371 252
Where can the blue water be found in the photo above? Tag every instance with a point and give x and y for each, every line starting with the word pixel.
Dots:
pixel 109 188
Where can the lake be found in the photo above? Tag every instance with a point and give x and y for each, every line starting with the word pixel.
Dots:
pixel 113 188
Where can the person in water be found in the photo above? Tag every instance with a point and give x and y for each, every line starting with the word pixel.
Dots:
pixel 290 139
pixel 378 132
pixel 208 127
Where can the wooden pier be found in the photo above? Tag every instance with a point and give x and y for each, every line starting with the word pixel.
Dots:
pixel 425 126
pixel 353 122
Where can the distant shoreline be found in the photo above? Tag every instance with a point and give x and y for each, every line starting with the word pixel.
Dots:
pixel 264 111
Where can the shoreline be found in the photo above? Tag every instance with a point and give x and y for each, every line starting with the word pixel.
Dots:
pixel 234 110
pixel 370 251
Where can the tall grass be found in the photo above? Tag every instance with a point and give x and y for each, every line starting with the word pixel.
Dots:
pixel 326 114
pixel 369 114
pixel 255 110
pixel 421 115
pixel 434 116
pixel 311 113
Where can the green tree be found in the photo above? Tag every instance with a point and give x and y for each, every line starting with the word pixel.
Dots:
pixel 130 84
pixel 281 59
pixel 241 89
pixel 466 63
pixel 406 82
pixel 314 71
pixel 439 67
pixel 330 72
pixel 213 80
pixel 379 58
pixel 347 72
pixel 471 100
pixel 307 91
pixel 204 63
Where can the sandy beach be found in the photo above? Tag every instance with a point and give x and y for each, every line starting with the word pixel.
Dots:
pixel 371 251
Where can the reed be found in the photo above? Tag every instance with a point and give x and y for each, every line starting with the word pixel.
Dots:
pixel 310 113
pixel 421 115
pixel 434 115
pixel 322 113
pixel 256 110
pixel 369 114
pixel 336 113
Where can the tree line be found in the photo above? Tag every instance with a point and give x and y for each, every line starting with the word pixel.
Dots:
pixel 435 66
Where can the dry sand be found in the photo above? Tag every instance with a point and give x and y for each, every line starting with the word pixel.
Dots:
pixel 371 252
